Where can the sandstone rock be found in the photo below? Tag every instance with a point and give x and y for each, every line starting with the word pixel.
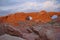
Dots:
pixel 41 27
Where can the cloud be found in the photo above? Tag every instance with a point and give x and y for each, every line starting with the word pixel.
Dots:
pixel 50 5
pixel 27 5
pixel 47 5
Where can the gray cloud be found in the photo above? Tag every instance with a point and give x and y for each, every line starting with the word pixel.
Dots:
pixel 28 6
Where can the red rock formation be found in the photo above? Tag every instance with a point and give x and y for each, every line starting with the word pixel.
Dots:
pixel 38 16
pixel 54 13
pixel 42 16
pixel 31 29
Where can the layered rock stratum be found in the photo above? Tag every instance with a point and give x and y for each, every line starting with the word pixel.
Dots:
pixel 40 27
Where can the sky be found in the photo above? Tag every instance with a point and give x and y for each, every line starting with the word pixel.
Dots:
pixel 12 6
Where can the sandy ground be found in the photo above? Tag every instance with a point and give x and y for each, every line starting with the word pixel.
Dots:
pixel 8 37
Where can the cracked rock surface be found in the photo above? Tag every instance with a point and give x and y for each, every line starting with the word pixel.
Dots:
pixel 31 31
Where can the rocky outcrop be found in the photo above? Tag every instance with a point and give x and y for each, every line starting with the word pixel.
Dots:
pixel 42 16
pixel 54 13
pixel 40 27
pixel 30 30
